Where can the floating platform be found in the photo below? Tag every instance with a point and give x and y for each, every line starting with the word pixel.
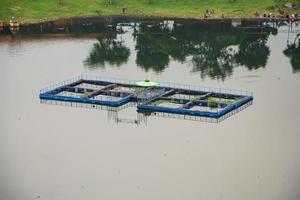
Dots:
pixel 168 98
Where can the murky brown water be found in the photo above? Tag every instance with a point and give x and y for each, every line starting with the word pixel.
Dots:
pixel 56 152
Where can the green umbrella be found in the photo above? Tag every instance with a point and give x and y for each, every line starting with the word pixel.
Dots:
pixel 146 83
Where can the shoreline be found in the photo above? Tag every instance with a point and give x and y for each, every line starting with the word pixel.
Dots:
pixel 160 17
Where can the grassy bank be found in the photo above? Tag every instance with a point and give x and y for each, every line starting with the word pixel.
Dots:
pixel 34 10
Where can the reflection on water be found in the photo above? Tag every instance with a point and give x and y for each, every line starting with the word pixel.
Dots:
pixel 293 53
pixel 108 51
pixel 213 50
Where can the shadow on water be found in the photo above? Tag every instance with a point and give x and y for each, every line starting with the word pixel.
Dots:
pixel 212 49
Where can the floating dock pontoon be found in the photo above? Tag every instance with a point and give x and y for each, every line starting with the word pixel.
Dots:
pixel 149 97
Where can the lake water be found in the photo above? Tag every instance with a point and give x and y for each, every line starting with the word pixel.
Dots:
pixel 58 152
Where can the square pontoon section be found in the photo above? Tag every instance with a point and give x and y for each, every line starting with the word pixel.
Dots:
pixel 127 89
pixel 168 103
pixel 205 108
pixel 104 97
pixel 215 98
pixel 190 95
pixel 185 96
pixel 89 86
pixel 70 94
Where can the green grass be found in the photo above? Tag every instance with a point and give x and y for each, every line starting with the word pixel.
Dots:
pixel 160 101
pixel 213 101
pixel 35 10
pixel 86 93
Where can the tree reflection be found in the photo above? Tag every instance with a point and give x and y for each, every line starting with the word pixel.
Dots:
pixel 151 47
pixel 213 63
pixel 293 53
pixel 108 51
pixel 213 50
pixel 209 48
pixel 253 52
